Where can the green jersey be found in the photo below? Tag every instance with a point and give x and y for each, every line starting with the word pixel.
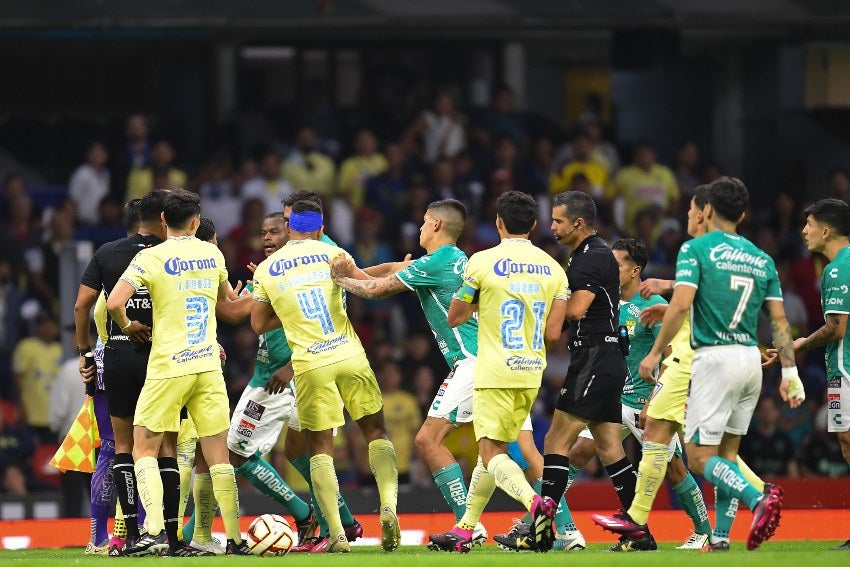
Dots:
pixel 636 391
pixel 435 278
pixel 273 352
pixel 835 284
pixel 733 279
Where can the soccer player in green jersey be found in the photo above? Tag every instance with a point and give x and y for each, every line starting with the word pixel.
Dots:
pixel 826 231
pixel 722 279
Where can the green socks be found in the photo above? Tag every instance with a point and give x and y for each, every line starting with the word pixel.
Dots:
pixel 450 482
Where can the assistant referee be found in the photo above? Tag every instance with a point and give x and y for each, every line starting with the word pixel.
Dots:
pixel 590 396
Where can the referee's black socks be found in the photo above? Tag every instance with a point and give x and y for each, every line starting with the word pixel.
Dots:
pixel 556 474
pixel 170 475
pixel 124 477
pixel 624 479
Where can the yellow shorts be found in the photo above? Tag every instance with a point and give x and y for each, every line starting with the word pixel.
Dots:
pixel 499 413
pixel 322 392
pixel 670 396
pixel 187 431
pixel 203 394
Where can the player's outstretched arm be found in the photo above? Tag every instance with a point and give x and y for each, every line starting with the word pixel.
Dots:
pixel 116 305
pixel 791 388
pixel 680 305
pixel 232 311
pixel 459 312
pixel 832 331
pixel 263 317
pixel 555 322
pixel 654 286
pixel 372 289
pixel 388 268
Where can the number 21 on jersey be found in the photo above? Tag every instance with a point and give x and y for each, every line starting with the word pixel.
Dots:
pixel 514 311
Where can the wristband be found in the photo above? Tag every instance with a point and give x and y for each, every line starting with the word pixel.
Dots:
pixel 127 326
pixel 83 351
pixel 789 372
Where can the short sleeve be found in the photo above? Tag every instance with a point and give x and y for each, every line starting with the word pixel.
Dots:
pixel 261 275
pixel 687 266
pixel 93 275
pixel 587 274
pixel 471 285
pixel 138 272
pixel 222 266
pixel 420 274
pixel 835 291
pixel 19 358
pixel 562 291
pixel 774 287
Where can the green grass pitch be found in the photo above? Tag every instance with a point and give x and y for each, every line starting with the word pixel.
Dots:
pixel 796 553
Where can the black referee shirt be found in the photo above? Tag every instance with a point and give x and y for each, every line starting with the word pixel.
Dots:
pixel 105 269
pixel 592 267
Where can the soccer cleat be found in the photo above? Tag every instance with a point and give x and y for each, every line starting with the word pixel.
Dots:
pixel 620 523
pixel 696 541
pixel 721 545
pixel 765 521
pixel 543 511
pixel 116 546
pixel 479 534
pixel 240 548
pixel 570 540
pixel 184 549
pixel 337 545
pixel 843 547
pixel 390 531
pixel 147 544
pixel 775 489
pixel 309 544
pixel 92 549
pixel 307 527
pixel 213 546
pixel 354 531
pixel 627 543
pixel 518 539
pixel 455 539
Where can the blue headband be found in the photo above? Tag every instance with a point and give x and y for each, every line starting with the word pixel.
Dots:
pixel 307 221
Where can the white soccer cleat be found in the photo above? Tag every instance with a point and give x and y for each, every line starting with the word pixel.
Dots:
pixel 570 540
pixel 479 534
pixel 212 546
pixel 92 549
pixel 696 541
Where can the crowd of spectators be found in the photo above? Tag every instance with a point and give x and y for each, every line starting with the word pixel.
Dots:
pixel 375 195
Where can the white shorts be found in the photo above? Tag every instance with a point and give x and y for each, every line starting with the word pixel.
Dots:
pixel 838 404
pixel 725 388
pixel 631 426
pixel 258 420
pixel 453 401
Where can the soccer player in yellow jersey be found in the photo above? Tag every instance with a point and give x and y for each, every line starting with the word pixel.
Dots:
pixel 294 285
pixel 188 286
pixel 521 294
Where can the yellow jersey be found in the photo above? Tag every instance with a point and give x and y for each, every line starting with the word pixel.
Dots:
pixel 100 315
pixel 182 275
pixel 515 283
pixel 296 281
pixel 681 345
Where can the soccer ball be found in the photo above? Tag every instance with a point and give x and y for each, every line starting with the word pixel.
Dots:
pixel 270 534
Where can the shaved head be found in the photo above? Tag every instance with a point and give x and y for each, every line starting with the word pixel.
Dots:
pixel 452 213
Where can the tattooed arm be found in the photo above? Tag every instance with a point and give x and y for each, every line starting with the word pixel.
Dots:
pixel 790 389
pixel 833 330
pixel 371 289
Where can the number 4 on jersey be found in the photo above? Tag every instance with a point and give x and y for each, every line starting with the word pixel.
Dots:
pixel 314 306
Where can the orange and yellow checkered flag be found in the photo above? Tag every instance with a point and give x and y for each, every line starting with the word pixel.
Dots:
pixel 76 453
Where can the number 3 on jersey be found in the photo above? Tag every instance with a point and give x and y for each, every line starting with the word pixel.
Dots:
pixel 513 310
pixel 314 306
pixel 197 317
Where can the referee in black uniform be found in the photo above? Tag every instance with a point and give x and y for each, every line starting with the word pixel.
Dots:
pixel 590 396
pixel 126 352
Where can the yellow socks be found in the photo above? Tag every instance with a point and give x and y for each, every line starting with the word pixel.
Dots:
pixel 510 478
pixel 383 464
pixel 185 462
pixel 119 528
pixel 224 487
pixel 651 472
pixel 481 488
pixel 202 492
pixel 750 476
pixel 150 492
pixel 326 487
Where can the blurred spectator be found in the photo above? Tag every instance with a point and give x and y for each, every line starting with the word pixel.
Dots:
pixel 507 158
pixel 401 415
pixel 583 163
pixel 160 170
pixel 368 249
pixel 839 184
pixel 67 394
pixel 442 129
pixel 422 351
pixel 246 240
pixel 270 186
pixel 133 155
pixel 17 442
pixel 220 199
pixel 10 325
pixel 785 224
pixel 603 152
pixel 356 171
pixel 644 185
pixel 387 192
pixel 687 161
pixel 424 386
pixel 503 120
pixel 306 167
pixel 766 448
pixel 13 186
pixel 805 274
pixel 535 173
pixel 43 261
pixel 239 368
pixel 21 230
pixel 90 183
pixel 469 185
pixel 108 227
pixel 35 363
pixel 820 454
pixel 13 482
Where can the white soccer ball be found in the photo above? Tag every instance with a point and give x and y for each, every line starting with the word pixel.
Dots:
pixel 270 534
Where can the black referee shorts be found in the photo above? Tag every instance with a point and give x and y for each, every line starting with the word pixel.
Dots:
pixel 594 383
pixel 125 365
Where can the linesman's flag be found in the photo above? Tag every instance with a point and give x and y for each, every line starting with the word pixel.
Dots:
pixel 76 453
